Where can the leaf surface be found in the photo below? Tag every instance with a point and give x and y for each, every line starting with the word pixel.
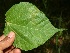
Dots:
pixel 31 26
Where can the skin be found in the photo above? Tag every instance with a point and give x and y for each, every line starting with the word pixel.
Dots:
pixel 6 44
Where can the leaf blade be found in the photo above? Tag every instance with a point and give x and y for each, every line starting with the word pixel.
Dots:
pixel 31 26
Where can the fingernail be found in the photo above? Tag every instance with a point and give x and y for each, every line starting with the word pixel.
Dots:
pixel 11 34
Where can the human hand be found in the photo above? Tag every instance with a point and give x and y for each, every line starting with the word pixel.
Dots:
pixel 6 44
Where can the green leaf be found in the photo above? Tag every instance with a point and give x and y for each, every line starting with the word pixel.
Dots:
pixel 31 26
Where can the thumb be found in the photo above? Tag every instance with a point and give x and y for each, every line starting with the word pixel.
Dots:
pixel 7 41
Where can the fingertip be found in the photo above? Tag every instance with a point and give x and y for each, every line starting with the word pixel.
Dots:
pixel 11 34
pixel 17 51
pixel 2 37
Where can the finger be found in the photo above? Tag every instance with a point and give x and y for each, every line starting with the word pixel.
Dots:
pixel 1 51
pixel 2 37
pixel 15 51
pixel 7 41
